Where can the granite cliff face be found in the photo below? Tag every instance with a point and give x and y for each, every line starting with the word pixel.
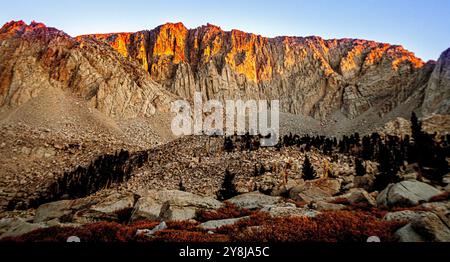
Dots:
pixel 35 57
pixel 437 93
pixel 309 75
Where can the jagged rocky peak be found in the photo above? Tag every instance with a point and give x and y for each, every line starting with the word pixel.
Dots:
pixel 310 75
pixel 35 57
pixel 20 28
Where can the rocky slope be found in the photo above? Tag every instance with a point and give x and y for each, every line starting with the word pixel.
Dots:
pixel 311 76
pixel 35 57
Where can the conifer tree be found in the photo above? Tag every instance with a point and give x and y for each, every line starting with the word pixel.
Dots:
pixel 308 170
pixel 228 189
pixel 360 169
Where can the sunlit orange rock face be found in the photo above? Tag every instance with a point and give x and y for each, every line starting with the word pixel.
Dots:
pixel 35 57
pixel 310 75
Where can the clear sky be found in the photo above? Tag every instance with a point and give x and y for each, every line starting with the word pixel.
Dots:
pixel 421 26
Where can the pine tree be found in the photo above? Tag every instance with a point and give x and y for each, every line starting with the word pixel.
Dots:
pixel 360 169
pixel 228 144
pixel 181 186
pixel 228 189
pixel 308 170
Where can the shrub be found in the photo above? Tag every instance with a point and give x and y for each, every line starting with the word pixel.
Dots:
pixel 441 197
pixel 229 210
pixel 333 226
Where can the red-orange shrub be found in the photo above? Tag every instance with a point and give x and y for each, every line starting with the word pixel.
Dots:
pixel 442 197
pixel 229 210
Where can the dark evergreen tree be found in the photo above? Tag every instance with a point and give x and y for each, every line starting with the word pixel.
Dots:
pixel 308 170
pixel 228 145
pixel 181 186
pixel 360 169
pixel 228 189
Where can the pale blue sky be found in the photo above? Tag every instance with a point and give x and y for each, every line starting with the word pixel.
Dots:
pixel 421 26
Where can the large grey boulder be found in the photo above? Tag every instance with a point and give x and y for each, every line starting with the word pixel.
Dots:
pixel 171 205
pixel 254 200
pixel 408 234
pixel 315 190
pixel 85 210
pixel 358 196
pixel 404 215
pixel 406 193
pixel 289 211
pixel 426 226
pixel 61 210
pixel 12 227
pixel 215 224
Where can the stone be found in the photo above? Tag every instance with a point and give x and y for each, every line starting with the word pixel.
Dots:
pixel 325 206
pixel 171 205
pixel 289 211
pixel 406 193
pixel 407 234
pixel 115 202
pixel 365 182
pixel 300 193
pixel 215 224
pixel 254 200
pixel 61 210
pixel 359 196
pixel 446 179
pixel 151 232
pixel 13 227
pixel 433 226
pixel 424 227
pixel 404 215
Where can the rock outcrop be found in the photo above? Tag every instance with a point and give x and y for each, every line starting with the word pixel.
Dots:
pixel 407 193
pixel 309 75
pixel 437 93
pixel 35 57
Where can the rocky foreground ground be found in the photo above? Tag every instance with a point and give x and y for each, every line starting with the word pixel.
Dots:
pixel 172 197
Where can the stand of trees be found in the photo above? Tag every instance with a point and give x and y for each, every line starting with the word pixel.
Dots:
pixel 391 152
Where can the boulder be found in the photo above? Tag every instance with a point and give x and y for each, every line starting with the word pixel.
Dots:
pixel 446 179
pixel 289 211
pixel 404 215
pixel 325 206
pixel 151 232
pixel 359 197
pixel 315 190
pixel 61 210
pixel 12 227
pixel 300 193
pixel 365 182
pixel 215 224
pixel 85 210
pixel 171 205
pixel 426 226
pixel 407 234
pixel 406 193
pixel 433 226
pixel 115 202
pixel 254 200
